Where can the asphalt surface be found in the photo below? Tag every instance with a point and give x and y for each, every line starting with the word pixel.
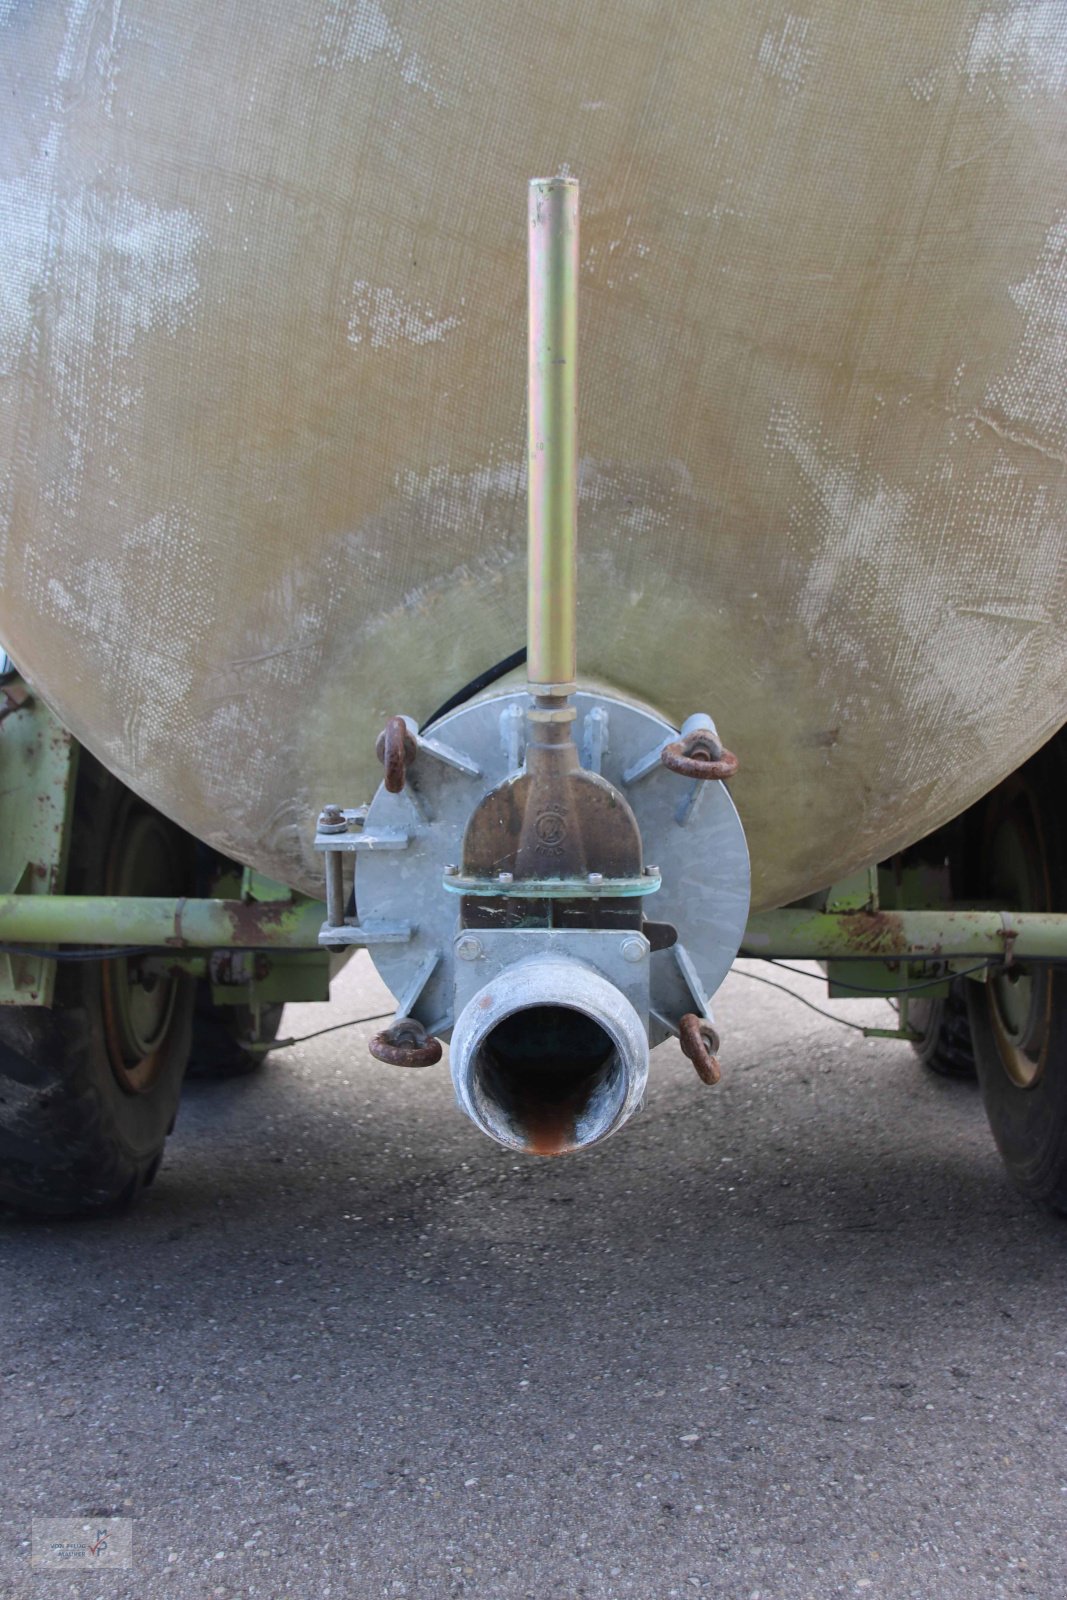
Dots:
pixel 792 1336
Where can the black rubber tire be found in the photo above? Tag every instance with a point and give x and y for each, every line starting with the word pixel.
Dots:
pixel 221 1034
pixel 1029 1122
pixel 73 1140
pixel 946 1047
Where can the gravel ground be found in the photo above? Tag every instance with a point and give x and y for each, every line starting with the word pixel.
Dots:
pixel 792 1336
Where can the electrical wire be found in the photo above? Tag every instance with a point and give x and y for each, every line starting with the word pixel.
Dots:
pixel 819 1012
pixel 476 685
pixel 942 955
pixel 858 988
pixel 284 1044
pixel 857 1027
pixel 90 953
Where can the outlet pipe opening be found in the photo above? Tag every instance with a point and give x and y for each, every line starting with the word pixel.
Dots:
pixel 550 1057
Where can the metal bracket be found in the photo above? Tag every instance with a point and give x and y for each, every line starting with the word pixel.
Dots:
pixel 620 956
pixel 354 843
pixel 594 886
pixel 367 933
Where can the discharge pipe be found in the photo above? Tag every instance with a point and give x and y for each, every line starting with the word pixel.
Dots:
pixel 549 1057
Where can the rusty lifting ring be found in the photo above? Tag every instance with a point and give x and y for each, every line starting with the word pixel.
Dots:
pixel 395 749
pixel 405 1043
pixel 700 1043
pixel 699 756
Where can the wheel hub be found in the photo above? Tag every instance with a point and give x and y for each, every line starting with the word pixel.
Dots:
pixel 138 1006
pixel 1019 1000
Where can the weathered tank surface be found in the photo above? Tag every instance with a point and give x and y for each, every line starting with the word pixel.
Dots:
pixel 261 418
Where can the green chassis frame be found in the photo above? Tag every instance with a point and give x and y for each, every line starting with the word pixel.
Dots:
pixel 866 948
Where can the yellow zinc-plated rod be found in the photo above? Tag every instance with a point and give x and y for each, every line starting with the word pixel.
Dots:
pixel 552 433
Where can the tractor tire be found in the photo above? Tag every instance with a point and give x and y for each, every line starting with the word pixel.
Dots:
pixel 89 1087
pixel 1019 1017
pixel 222 1035
pixel 945 1047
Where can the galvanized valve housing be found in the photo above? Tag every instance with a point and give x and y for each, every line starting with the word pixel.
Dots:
pixel 409 894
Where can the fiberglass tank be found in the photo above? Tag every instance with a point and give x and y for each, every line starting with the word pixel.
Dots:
pixel 261 419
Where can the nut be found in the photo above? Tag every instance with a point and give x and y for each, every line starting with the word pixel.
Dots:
pixel 332 820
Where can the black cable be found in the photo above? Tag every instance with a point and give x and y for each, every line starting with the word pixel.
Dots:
pixel 90 953
pixel 857 988
pixel 476 685
pixel 857 1027
pixel 908 956
pixel 283 1044
pixel 819 1012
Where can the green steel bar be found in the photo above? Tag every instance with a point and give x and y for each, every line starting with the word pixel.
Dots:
pixel 807 935
pixel 906 935
pixel 204 924
pixel 552 433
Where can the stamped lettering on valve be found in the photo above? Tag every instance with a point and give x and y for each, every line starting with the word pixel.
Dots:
pixel 551 829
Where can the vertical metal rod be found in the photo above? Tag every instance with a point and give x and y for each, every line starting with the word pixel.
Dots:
pixel 335 888
pixel 552 435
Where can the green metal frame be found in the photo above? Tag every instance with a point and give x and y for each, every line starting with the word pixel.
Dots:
pixel 39 762
pixel 38 772
pixel 867 946
pixel 283 974
pixel 901 937
pixel 169 924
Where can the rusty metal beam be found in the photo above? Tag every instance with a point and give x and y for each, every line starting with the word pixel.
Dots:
pixel 172 924
pixel 906 935
pixel 797 934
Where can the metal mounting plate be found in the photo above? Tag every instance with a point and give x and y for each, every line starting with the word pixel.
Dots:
pixel 690 830
pixel 491 950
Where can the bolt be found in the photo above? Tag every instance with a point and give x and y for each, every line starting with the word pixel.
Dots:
pixel 651 872
pixel 469 948
pixel 633 949
pixel 332 820
pixel 452 870
pixel 595 879
pixel 505 877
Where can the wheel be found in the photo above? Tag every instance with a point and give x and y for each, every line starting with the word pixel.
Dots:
pixel 1019 1017
pixel 222 1034
pixel 945 1046
pixel 89 1087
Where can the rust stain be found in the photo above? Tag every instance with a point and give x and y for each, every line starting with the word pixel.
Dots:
pixel 550 1121
pixel 251 920
pixel 876 933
